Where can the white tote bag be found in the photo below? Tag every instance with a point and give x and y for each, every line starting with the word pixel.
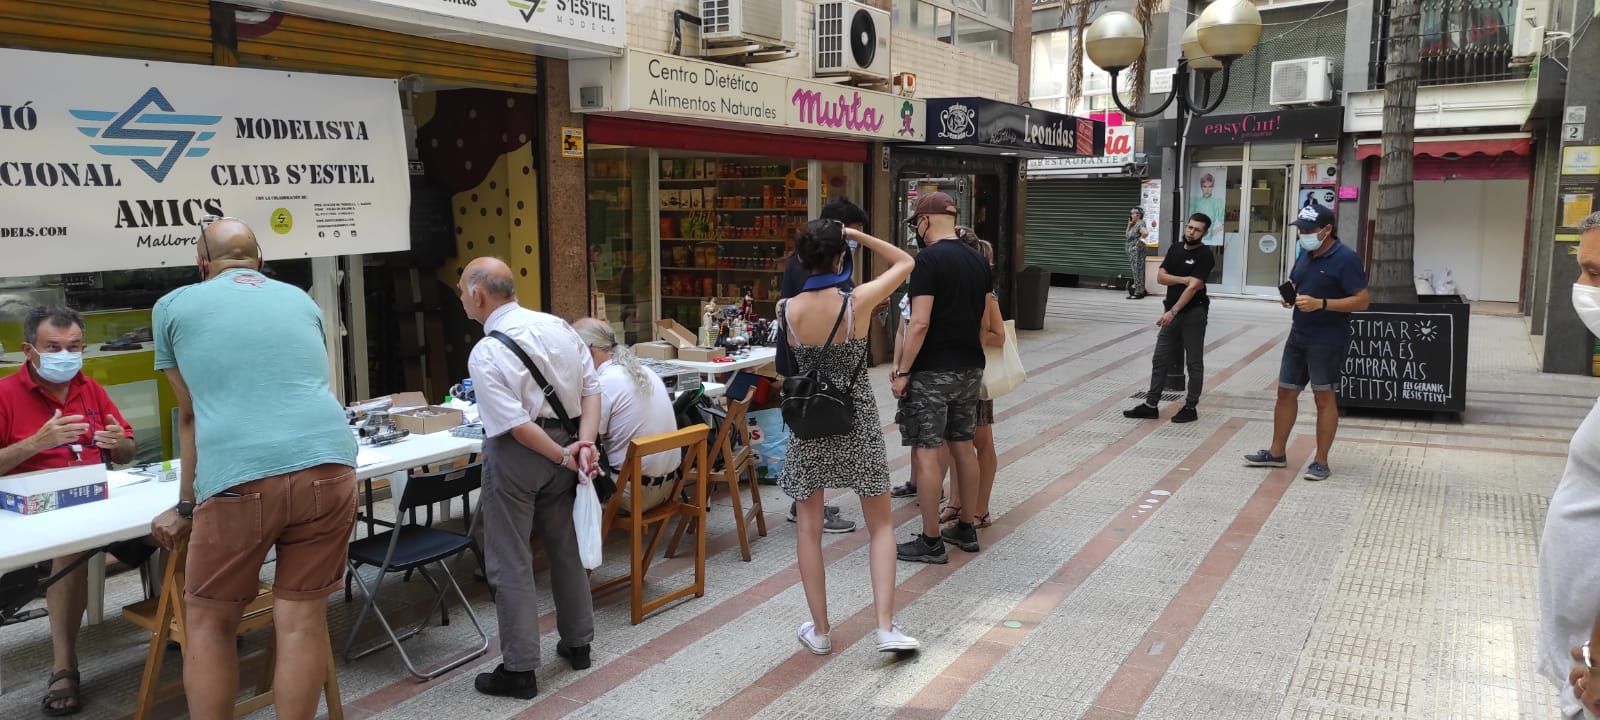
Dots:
pixel 586 520
pixel 1002 369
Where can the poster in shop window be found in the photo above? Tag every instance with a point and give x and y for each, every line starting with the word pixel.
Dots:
pixel 1208 188
pixel 109 164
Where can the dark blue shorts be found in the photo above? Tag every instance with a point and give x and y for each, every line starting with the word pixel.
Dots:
pixel 1315 364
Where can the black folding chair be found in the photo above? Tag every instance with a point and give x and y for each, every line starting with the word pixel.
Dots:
pixel 411 546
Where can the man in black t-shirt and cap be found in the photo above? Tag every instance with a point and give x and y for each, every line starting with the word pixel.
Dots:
pixel 940 371
pixel 1183 325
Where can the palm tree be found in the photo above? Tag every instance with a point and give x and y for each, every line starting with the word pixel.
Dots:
pixel 1392 269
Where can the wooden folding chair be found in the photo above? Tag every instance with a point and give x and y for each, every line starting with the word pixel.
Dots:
pixel 729 466
pixel 163 618
pixel 692 440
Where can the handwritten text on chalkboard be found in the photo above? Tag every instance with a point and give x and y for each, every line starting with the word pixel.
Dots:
pixel 1400 358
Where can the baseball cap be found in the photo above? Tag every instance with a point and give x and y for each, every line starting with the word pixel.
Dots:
pixel 934 203
pixel 1313 217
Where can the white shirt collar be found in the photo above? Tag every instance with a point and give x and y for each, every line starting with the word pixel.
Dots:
pixel 492 323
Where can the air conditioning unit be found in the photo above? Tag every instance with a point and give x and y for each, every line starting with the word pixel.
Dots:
pixel 767 23
pixel 1527 34
pixel 1302 82
pixel 852 40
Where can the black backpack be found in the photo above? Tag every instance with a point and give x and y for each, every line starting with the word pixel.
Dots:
pixel 815 406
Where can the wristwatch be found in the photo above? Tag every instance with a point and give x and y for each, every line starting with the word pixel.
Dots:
pixel 896 374
pixel 1324 303
pixel 186 509
pixel 566 456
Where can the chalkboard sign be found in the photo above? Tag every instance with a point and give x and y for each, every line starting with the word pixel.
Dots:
pixel 1407 357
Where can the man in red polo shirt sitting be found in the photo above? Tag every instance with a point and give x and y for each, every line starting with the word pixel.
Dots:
pixel 52 416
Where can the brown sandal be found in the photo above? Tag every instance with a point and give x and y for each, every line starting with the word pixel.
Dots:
pixel 982 521
pixel 65 701
pixel 949 513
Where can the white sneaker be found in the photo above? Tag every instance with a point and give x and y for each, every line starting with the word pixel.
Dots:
pixel 818 644
pixel 892 640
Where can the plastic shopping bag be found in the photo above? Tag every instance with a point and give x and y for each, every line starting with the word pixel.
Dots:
pixel 1002 370
pixel 586 520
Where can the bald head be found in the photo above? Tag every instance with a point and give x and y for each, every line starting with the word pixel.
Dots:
pixel 486 284
pixel 228 244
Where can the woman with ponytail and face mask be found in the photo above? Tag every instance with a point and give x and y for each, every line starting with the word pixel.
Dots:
pixel 1569 578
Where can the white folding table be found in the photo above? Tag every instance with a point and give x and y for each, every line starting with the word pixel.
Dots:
pixel 134 501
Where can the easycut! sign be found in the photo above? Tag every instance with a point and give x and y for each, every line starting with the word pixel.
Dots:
pixel 109 164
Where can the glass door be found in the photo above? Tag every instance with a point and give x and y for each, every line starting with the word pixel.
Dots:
pixel 1264 229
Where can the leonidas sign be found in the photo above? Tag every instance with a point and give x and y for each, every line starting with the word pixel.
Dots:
pixel 675 87
pixel 109 164
pixel 540 26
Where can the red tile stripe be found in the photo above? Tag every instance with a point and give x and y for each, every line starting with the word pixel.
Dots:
pixel 1135 681
pixel 788 674
pixel 674 641
pixel 944 691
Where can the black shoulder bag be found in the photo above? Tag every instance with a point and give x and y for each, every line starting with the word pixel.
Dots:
pixel 604 486
pixel 815 406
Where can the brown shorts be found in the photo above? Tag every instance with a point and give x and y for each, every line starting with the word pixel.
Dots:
pixel 307 514
pixel 985 412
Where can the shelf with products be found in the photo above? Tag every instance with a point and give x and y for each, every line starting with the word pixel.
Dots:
pixel 719 210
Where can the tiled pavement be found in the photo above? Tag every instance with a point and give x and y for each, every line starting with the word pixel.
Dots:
pixel 1134 569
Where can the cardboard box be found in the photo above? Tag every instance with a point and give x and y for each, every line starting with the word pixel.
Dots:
pixel 656 350
pixel 670 331
pixel 397 401
pixel 46 490
pixel 428 420
pixel 701 354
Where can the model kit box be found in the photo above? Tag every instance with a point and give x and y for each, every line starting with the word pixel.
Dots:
pixel 46 490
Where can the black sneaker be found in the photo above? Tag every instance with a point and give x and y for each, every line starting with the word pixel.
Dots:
pixel 504 683
pixel 961 535
pixel 924 550
pixel 578 657
pixel 1187 415
pixel 1142 411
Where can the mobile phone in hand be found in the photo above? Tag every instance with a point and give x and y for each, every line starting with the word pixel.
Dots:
pixel 1286 290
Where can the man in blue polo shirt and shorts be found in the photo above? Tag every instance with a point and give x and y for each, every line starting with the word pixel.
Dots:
pixel 1329 284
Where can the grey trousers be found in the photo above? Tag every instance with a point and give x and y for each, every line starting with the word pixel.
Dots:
pixel 524 492
pixel 1183 339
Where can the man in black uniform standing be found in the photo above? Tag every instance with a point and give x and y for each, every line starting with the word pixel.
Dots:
pixel 1183 325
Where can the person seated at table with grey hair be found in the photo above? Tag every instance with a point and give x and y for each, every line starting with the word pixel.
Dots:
pixel 633 404
pixel 52 416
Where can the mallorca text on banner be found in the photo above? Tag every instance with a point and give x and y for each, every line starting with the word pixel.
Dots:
pixel 109 164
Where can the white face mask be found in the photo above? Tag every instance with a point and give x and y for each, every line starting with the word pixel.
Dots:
pixel 1586 300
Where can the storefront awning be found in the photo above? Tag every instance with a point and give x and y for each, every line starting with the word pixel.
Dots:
pixel 1455 146
pixel 991 127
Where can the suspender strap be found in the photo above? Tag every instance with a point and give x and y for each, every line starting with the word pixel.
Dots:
pixel 550 396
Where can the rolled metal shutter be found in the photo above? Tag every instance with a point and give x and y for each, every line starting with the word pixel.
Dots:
pixel 1076 226
pixel 171 30
pixel 293 42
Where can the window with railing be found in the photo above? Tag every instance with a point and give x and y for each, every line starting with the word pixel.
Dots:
pixel 1462 41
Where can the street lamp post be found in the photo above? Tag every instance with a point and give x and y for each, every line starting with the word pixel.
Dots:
pixel 1224 32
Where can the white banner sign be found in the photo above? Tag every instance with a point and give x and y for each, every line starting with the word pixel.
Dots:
pixel 523 23
pixel 670 85
pixel 109 164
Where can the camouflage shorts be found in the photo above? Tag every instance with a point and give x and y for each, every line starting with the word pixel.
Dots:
pixel 940 405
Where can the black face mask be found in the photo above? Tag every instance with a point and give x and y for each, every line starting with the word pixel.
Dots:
pixel 919 236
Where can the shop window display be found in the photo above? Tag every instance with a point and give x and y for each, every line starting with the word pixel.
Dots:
pixel 669 231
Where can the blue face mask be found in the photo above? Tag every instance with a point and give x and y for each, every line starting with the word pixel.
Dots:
pixel 59 367
pixel 1310 243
